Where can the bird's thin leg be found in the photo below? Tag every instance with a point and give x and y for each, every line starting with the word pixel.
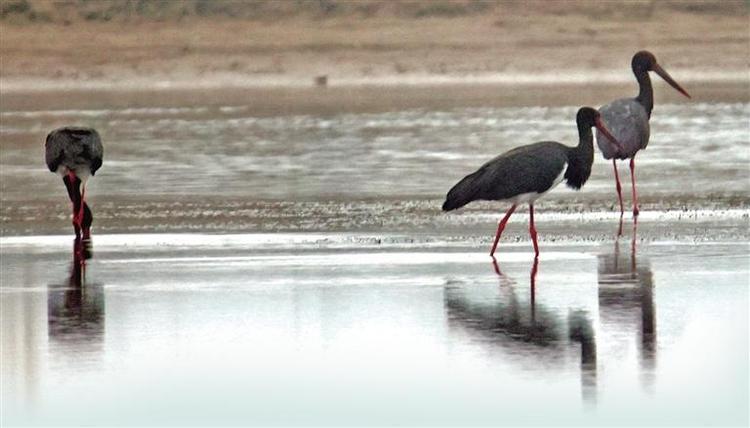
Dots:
pixel 633 263
pixel 500 228
pixel 72 185
pixel 86 221
pixel 68 179
pixel 635 194
pixel 532 277
pixel 619 188
pixel 496 267
pixel 532 229
pixel 83 202
pixel 82 218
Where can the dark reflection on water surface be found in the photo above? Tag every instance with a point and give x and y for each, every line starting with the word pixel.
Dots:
pixel 626 300
pixel 300 329
pixel 525 328
pixel 75 310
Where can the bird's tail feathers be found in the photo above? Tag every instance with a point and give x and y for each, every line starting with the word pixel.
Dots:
pixel 462 193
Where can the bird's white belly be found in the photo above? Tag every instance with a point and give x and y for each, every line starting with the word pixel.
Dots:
pixel 82 172
pixel 527 198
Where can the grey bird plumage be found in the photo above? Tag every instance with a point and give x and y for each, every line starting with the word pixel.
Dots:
pixel 628 121
pixel 74 149
pixel 76 153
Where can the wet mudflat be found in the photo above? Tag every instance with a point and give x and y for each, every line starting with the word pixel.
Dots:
pixel 295 268
pixel 227 168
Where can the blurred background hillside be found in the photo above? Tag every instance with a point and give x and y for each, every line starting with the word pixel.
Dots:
pixel 72 11
pixel 259 43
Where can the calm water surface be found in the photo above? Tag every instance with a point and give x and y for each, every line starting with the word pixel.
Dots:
pixel 247 329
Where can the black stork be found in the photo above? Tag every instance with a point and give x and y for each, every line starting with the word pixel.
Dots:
pixel 525 173
pixel 75 153
pixel 628 119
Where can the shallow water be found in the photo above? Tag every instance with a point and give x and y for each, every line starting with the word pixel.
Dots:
pixel 222 168
pixel 296 269
pixel 222 150
pixel 318 329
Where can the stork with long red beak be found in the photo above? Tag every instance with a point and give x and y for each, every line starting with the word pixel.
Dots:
pixel 526 173
pixel 628 120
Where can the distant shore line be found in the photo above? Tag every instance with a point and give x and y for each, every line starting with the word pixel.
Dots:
pixel 239 80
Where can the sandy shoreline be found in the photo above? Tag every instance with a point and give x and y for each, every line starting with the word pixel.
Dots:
pixel 536 47
pixel 241 81
pixel 264 101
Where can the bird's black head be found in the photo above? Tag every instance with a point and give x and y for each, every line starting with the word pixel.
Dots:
pixel 643 61
pixel 587 117
pixel 581 157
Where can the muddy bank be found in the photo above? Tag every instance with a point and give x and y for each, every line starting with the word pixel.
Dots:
pixel 366 98
pixel 504 43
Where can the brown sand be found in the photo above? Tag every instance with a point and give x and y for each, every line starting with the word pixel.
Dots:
pixel 501 48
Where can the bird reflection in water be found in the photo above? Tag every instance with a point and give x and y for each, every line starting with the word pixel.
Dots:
pixel 581 331
pixel 528 332
pixel 76 309
pixel 626 301
pixel 532 279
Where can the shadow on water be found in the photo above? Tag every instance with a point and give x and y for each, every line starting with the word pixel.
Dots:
pixel 76 309
pixel 525 329
pixel 626 301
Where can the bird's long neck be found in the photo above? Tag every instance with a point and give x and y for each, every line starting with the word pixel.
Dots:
pixel 646 93
pixel 580 158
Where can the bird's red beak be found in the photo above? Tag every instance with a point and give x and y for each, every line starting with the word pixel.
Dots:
pixel 603 129
pixel 664 75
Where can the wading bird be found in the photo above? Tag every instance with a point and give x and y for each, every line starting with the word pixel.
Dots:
pixel 628 118
pixel 75 153
pixel 525 173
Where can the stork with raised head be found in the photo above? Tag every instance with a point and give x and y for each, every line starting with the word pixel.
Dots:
pixel 628 119
pixel 76 154
pixel 525 173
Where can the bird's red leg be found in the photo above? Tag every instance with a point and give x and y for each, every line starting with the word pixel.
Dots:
pixel 632 246
pixel 532 229
pixel 86 221
pixel 619 188
pixel 500 228
pixel 496 267
pixel 81 206
pixel 72 184
pixel 635 194
pixel 532 278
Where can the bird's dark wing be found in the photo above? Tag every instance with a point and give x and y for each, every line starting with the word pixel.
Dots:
pixel 54 150
pixel 527 169
pixel 95 151
pixel 74 147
